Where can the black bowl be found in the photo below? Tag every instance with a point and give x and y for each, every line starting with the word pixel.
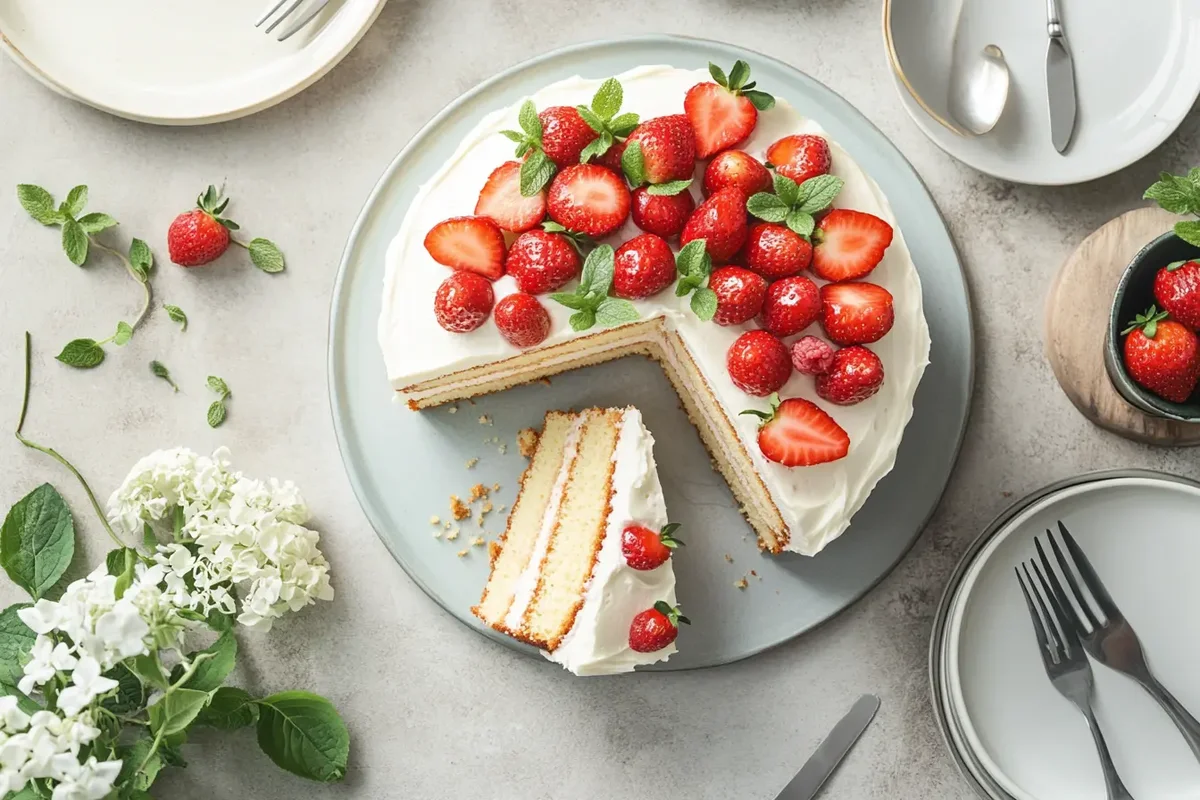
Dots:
pixel 1135 294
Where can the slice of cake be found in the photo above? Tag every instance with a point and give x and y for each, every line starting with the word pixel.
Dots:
pixel 587 548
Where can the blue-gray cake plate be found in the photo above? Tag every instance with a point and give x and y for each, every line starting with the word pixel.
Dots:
pixel 404 465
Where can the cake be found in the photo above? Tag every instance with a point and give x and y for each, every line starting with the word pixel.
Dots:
pixel 753 293
pixel 584 559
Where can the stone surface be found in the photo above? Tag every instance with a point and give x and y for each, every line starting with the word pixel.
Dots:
pixel 435 710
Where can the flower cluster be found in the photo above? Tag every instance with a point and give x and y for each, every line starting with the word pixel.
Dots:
pixel 46 746
pixel 229 534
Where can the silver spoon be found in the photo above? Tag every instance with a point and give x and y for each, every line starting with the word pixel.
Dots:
pixel 979 92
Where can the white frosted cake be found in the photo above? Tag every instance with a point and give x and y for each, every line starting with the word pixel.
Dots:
pixel 799 478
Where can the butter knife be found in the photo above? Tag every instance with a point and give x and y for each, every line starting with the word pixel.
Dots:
pixel 829 753
pixel 1060 80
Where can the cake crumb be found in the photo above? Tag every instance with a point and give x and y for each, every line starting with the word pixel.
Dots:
pixel 500 508
pixel 495 487
pixel 755 574
pixel 478 491
pixel 452 534
pixel 493 551
pixel 478 541
pixel 452 410
pixel 544 380
pixel 527 439
pixel 479 520
pixel 458 508
pixel 471 462
pixel 741 583
pixel 503 448
pixel 486 508
pixel 437 533
pixel 463 553
pixel 435 520
pixel 484 419
pixel 729 558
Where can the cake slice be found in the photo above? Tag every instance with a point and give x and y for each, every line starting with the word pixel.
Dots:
pixel 582 555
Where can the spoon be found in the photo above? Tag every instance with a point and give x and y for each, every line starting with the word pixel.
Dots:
pixel 978 93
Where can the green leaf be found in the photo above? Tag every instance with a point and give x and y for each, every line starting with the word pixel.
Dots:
pixel 816 194
pixel 569 299
pixel 28 793
pixel 37 540
pixel 536 172
pixel 787 189
pixel 683 286
pixel 216 414
pixel 265 255
pixel 218 621
pixel 592 149
pixel 801 222
pixel 691 257
pixel 670 188
pixel 39 203
pixel 1189 231
pixel 125 577
pixel 74 242
pixel 159 370
pixel 24 702
pixel 96 222
pixel 129 695
pixel 303 734
pixel 218 385
pixel 597 271
pixel 114 561
pixel 739 74
pixel 141 258
pixel 176 710
pixel 582 320
pixel 529 121
pixel 1175 193
pixel 16 640
pixel 176 314
pixel 718 74
pixel 82 354
pixel 177 521
pixel 767 206
pixel 633 164
pixel 608 98
pixel 760 100
pixel 213 671
pixel 123 335
pixel 704 303
pixel 76 200
pixel 593 120
pixel 229 709
pixel 132 757
pixel 149 538
pixel 515 136
pixel 148 670
pixel 623 124
pixel 615 311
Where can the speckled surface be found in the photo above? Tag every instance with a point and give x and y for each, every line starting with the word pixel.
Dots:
pixel 436 711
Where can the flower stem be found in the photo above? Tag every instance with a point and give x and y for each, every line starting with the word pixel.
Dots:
pixel 51 452
pixel 184 678
pixel 137 276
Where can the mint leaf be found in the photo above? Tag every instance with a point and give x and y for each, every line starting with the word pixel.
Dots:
pixel 739 74
pixel 536 172
pixel 176 710
pixel 718 74
pixel 216 414
pixel 786 188
pixel 760 100
pixel 607 100
pixel 801 222
pixel 582 320
pixel 229 709
pixel 691 257
pixel 704 303
pixel 213 671
pixel 37 540
pixel 767 206
pixel 623 124
pixel 683 286
pixel 265 255
pixel 159 370
pixel 515 136
pixel 39 204
pixel 593 120
pixel 96 222
pixel 123 335
pixel 16 640
pixel 218 385
pixel 598 270
pixel 529 121
pixel 1176 193
pixel 569 299
pixel 82 354
pixel 76 200
pixel 816 194
pixel 303 734
pixel 670 188
pixel 633 163
pixel 595 148
pixel 141 258
pixel 615 311
pixel 74 242
pixel 1189 231
pixel 176 314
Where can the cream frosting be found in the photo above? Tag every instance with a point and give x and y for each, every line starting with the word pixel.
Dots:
pixel 816 502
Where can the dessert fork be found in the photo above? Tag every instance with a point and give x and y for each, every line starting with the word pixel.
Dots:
pixel 299 21
pixel 1111 641
pixel 1067 666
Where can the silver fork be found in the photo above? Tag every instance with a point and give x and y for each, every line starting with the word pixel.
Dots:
pixel 1067 667
pixel 1111 641
pixel 299 21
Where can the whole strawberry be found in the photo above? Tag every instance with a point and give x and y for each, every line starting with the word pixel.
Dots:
pixel 740 294
pixel 800 157
pixel 758 363
pixel 463 301
pixel 522 320
pixel 855 374
pixel 668 148
pixel 200 236
pixel 662 214
pixel 564 134
pixel 1177 290
pixel 542 262
pixel 776 251
pixel 642 267
pixel 721 222
pixel 1162 355
pixel 645 549
pixel 655 628
pixel 792 305
pixel 739 169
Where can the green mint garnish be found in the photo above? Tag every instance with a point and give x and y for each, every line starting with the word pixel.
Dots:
pixel 159 370
pixel 694 265
pixel 590 300
pixel 176 314
pixel 1179 194
pixel 537 169
pixel 795 204
pixel 217 411
pixel 604 117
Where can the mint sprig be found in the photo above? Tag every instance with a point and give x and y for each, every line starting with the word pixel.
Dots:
pixel 590 300
pixel 694 265
pixel 217 411
pixel 795 204
pixel 537 169
pixel 89 353
pixel 159 370
pixel 176 314
pixel 1179 194
pixel 604 117
pixel 633 164
pixel 736 82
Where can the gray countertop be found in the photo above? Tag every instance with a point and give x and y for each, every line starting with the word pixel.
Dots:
pixel 435 710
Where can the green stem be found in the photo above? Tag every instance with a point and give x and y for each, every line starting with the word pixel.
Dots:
pixel 153 749
pixel 184 678
pixel 51 452
pixel 234 240
pixel 137 276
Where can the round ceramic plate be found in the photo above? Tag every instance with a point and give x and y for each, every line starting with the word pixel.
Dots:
pixel 404 465
pixel 176 63
pixel 1030 741
pixel 1127 105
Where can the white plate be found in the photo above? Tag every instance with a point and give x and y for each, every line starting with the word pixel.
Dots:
pixel 1137 75
pixel 1140 535
pixel 175 62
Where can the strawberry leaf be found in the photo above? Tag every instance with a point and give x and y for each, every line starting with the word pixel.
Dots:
pixel 718 74
pixel 739 74
pixel 1174 265
pixel 760 100
pixel 670 188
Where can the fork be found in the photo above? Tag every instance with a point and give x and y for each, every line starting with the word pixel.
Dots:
pixel 300 20
pixel 1112 641
pixel 1067 667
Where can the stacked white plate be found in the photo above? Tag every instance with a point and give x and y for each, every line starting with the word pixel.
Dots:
pixel 1013 736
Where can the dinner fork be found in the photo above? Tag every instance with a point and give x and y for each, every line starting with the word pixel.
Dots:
pixel 1067 666
pixel 299 21
pixel 1112 641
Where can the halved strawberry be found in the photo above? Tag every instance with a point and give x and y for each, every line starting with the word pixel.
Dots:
pixel 856 312
pixel 590 199
pixel 668 148
pixel 796 433
pixel 849 244
pixel 501 200
pixel 800 157
pixel 723 114
pixel 470 243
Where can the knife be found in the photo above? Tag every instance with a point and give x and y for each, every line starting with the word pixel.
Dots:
pixel 829 753
pixel 1060 80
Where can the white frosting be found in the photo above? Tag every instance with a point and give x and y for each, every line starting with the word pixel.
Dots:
pixel 816 502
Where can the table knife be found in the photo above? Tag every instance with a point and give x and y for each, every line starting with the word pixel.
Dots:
pixel 829 753
pixel 1060 80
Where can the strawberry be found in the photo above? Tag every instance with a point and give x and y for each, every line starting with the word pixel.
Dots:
pixel 463 302
pixel 644 549
pixel 856 313
pixel 1162 355
pixel 589 199
pixel 655 628
pixel 662 214
pixel 501 200
pixel 721 222
pixel 812 356
pixel 776 251
pixel 792 305
pixel 642 267
pixel 201 235
pixel 796 433
pixel 758 363
pixel 668 148
pixel 471 243
pixel 736 168
pixel 611 157
pixel 723 114
pixel 1177 290
pixel 564 134
pixel 855 374
pixel 542 262
pixel 800 157
pixel 740 294
pixel 522 320
pixel 849 244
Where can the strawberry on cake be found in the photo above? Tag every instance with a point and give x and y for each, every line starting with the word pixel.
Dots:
pixel 693 218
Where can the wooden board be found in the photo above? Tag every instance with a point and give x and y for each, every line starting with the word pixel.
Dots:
pixel 1077 311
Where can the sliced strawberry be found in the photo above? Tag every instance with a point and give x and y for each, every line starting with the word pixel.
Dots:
pixel 799 434
pixel 736 168
pixel 720 118
pixel 471 243
pixel 590 199
pixel 662 214
pixel 668 148
pixel 857 312
pixel 564 134
pixel 721 222
pixel 800 157
pixel 849 244
pixel 501 200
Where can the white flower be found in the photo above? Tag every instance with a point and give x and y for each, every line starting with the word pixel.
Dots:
pixel 91 780
pixel 42 617
pixel 86 684
pixel 11 715
pixel 46 659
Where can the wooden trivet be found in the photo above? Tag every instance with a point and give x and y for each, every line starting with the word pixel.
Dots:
pixel 1077 310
